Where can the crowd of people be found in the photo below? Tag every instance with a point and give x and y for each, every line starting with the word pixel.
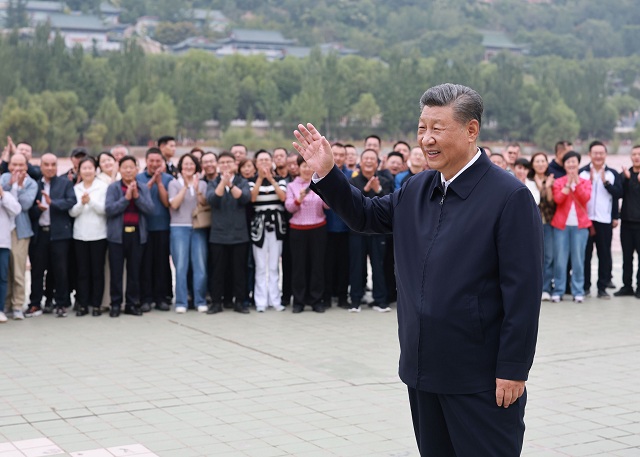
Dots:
pixel 247 232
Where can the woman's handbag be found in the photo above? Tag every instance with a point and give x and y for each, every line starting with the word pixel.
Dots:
pixel 201 216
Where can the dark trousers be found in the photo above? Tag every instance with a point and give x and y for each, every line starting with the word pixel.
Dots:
pixel 466 425
pixel 307 261
pixel 359 247
pixel 630 240
pixel 130 251
pixel 336 272
pixel 47 255
pixel 286 270
pixel 602 241
pixel 390 270
pixel 228 260
pixel 155 268
pixel 90 257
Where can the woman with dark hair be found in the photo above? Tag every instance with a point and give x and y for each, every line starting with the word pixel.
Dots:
pixel 540 183
pixel 521 169
pixel 570 228
pixel 90 237
pixel 188 245
pixel 308 238
pixel 247 169
pixel 108 166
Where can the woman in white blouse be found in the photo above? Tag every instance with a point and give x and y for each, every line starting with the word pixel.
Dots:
pixel 90 237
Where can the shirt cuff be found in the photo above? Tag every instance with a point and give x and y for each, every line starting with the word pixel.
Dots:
pixel 315 178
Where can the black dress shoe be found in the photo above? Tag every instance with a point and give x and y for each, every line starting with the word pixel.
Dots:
pixel 611 285
pixel 162 306
pixel 82 311
pixel 318 308
pixel 132 310
pixel 239 308
pixel 624 291
pixel 343 303
pixel 637 294
pixel 228 305
pixel 145 307
pixel 297 308
pixel 214 308
pixel 114 311
pixel 96 312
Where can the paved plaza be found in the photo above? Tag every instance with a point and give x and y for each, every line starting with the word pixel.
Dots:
pixel 279 384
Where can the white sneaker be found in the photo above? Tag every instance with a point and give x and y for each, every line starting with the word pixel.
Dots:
pixel 382 309
pixel 578 299
pixel 555 298
pixel 18 315
pixel 181 309
pixel 546 296
pixel 261 310
pixel 279 308
pixel 203 308
pixel 354 310
pixel 3 317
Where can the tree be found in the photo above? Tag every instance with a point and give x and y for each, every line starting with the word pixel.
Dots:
pixel 173 33
pixel 111 117
pixel 29 123
pixel 16 14
pixel 552 119
pixel 66 118
pixel 364 111
pixel 268 101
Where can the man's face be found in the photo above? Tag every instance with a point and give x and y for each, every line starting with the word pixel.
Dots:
pixel 352 157
pixel 499 161
pixel 445 142
pixel 75 160
pixel 239 152
pixel 369 162
pixel 128 170
pixel 512 154
pixel 394 164
pixel 292 164
pixel 264 161
pixel 154 161
pixel 209 164
pixel 372 143
pixel 119 153
pixel 18 163
pixel 168 149
pixel 635 158
pixel 403 149
pixel 49 166
pixel 598 155
pixel 280 158
pixel 417 159
pixel 339 155
pixel 25 149
pixel 227 165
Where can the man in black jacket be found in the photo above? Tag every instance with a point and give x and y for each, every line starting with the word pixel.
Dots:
pixel 53 230
pixel 468 243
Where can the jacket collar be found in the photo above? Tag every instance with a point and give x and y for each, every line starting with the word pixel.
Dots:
pixel 467 181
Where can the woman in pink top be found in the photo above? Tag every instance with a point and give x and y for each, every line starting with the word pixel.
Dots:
pixel 570 228
pixel 308 238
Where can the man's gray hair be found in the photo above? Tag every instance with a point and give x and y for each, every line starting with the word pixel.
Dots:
pixel 467 103
pixel 118 146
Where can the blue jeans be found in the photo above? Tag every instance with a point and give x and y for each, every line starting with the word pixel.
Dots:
pixel 570 242
pixel 189 246
pixel 547 272
pixel 4 275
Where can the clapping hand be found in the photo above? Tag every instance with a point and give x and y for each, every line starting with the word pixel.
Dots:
pixel 373 184
pixel 85 198
pixel 314 148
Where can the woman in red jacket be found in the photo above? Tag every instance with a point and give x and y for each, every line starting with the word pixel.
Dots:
pixel 570 228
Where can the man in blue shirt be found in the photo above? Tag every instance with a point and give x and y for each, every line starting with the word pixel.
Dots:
pixel 154 287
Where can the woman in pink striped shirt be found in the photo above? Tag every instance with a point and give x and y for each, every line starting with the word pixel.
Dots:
pixel 308 238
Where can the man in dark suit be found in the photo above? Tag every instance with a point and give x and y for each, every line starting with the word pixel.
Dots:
pixel 53 229
pixel 468 245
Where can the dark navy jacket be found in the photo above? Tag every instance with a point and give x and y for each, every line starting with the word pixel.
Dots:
pixel 63 198
pixel 469 273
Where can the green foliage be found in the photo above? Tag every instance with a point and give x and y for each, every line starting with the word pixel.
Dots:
pixel 66 118
pixel 28 122
pixel 174 32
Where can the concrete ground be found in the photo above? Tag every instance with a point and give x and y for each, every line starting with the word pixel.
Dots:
pixel 279 384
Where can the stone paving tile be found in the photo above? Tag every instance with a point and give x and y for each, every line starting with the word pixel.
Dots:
pixel 308 385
